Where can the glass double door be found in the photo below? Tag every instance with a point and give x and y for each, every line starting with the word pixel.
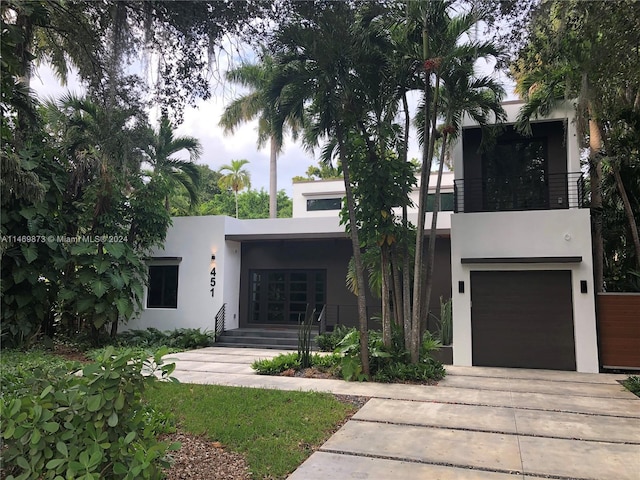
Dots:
pixel 282 296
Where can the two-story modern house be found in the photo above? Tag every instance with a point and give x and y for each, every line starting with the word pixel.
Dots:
pixel 515 257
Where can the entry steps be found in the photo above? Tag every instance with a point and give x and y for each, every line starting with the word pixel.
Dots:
pixel 284 338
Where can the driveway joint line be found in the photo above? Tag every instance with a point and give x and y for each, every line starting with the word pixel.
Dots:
pixel 497 432
pixel 445 464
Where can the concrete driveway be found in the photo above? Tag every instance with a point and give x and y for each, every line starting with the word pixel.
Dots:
pixel 478 423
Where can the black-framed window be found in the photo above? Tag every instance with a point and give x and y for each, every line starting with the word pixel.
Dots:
pixel 163 286
pixel 318 204
pixel 282 296
pixel 515 175
pixel 446 202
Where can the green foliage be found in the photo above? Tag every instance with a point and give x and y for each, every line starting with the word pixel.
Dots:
pixel 328 342
pixel 19 369
pixel 251 204
pixel 632 384
pixel 289 361
pixel 277 364
pixel 304 340
pixel 86 426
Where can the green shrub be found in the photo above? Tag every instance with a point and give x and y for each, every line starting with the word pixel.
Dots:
pixel 287 361
pixel 87 426
pixel 180 338
pixel 18 369
pixel 328 342
pixel 276 365
pixel 632 384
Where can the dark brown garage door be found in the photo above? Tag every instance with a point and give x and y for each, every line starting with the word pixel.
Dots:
pixel 522 319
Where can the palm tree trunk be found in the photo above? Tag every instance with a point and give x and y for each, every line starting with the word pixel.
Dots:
pixel 396 287
pixel 422 198
pixel 406 265
pixel 357 257
pixel 386 307
pixel 273 179
pixel 236 195
pixel 418 273
pixel 633 226
pixel 595 174
pixel 431 255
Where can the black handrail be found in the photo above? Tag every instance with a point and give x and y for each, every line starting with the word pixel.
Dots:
pixel 555 191
pixel 220 317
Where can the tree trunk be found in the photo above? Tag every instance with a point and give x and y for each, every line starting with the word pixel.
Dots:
pixel 357 257
pixel 406 265
pixel 236 195
pixel 396 287
pixel 633 226
pixel 273 179
pixel 595 174
pixel 422 199
pixel 386 307
pixel 431 255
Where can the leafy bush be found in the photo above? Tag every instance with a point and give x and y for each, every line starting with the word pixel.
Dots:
pixel 287 361
pixel 87 426
pixel 181 338
pixel 328 342
pixel 20 368
pixel 633 384
pixel 277 364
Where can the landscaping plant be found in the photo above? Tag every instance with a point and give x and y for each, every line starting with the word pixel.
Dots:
pixel 632 383
pixel 86 425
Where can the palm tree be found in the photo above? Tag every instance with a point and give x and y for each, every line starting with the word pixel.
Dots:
pixel 235 177
pixel 325 61
pixel 257 104
pixel 174 171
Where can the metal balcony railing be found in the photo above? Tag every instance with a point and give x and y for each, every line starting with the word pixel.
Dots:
pixel 555 191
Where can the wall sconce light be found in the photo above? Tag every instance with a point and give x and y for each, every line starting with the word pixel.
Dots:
pixel 460 286
pixel 213 257
pixel 583 286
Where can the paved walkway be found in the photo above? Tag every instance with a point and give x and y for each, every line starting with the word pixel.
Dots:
pixel 478 423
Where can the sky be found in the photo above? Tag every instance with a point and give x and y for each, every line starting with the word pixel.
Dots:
pixel 219 149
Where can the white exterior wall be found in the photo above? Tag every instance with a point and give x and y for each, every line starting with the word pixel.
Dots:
pixel 540 233
pixel 195 239
pixel 319 189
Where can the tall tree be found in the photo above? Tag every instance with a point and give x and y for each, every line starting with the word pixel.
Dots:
pixel 586 51
pixel 235 178
pixel 271 122
pixel 171 170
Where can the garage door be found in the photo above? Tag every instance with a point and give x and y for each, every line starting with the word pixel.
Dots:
pixel 522 319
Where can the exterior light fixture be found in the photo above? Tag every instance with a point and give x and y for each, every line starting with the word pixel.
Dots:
pixel 213 257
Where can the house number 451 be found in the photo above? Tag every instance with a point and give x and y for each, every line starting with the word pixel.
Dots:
pixel 212 282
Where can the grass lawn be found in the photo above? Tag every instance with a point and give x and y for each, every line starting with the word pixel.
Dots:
pixel 275 430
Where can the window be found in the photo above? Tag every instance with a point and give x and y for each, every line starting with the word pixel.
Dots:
pixel 282 296
pixel 446 202
pixel 515 176
pixel 317 204
pixel 163 286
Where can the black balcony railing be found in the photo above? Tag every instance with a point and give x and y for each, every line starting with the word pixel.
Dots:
pixel 556 191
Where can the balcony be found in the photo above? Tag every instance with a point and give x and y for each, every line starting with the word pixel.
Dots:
pixel 554 191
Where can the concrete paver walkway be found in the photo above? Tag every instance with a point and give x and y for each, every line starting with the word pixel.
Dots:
pixel 478 423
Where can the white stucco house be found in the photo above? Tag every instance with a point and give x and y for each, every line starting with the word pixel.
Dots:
pixel 513 251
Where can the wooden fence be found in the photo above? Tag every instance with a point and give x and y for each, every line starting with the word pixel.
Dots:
pixel 619 330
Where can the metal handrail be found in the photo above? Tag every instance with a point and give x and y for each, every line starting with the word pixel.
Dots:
pixel 220 318
pixel 557 191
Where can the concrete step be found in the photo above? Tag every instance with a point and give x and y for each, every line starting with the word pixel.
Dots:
pixel 283 338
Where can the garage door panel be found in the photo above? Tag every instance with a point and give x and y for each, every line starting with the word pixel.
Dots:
pixel 523 319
